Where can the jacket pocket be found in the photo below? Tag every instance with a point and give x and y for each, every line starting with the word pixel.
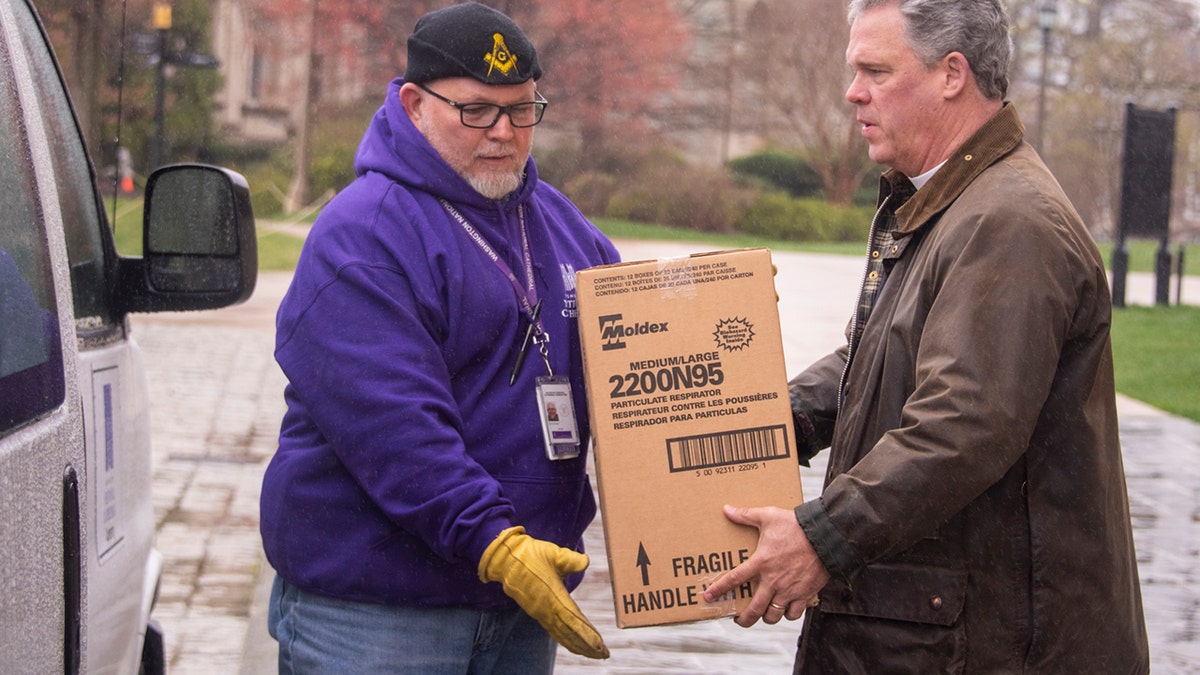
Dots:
pixel 891 618
pixel 900 592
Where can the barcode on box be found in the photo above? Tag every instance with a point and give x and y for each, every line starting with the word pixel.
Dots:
pixel 689 453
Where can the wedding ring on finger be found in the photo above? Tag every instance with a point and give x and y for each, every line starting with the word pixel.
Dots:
pixel 776 606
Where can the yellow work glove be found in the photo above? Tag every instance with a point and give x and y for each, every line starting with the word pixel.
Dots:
pixel 531 571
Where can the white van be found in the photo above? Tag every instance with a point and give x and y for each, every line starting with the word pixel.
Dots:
pixel 78 571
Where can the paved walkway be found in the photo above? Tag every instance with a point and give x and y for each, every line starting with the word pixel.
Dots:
pixel 217 405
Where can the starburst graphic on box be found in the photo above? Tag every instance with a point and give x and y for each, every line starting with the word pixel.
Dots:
pixel 733 334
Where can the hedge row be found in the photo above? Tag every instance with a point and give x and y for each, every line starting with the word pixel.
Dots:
pixel 778 216
pixel 756 195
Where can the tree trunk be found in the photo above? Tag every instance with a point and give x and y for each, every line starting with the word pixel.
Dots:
pixel 298 192
pixel 87 24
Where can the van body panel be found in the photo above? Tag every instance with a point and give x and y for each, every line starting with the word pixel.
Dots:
pixel 78 569
pixel 117 508
pixel 34 457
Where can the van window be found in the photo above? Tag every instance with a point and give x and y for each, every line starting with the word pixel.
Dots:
pixel 82 214
pixel 31 369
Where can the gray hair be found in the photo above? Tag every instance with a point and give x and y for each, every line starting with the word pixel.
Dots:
pixel 978 29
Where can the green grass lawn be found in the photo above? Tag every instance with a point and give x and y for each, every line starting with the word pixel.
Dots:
pixel 1156 356
pixel 1155 349
pixel 1143 254
pixel 276 250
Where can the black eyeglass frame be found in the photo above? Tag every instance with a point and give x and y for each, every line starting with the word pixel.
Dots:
pixel 539 106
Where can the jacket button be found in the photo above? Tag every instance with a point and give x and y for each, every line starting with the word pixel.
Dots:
pixel 935 602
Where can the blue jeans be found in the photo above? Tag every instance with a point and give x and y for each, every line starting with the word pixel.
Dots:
pixel 323 635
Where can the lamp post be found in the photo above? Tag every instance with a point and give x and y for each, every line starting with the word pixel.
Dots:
pixel 163 54
pixel 162 24
pixel 1047 16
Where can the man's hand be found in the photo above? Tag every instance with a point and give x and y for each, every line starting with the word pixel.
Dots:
pixel 788 570
pixel 531 571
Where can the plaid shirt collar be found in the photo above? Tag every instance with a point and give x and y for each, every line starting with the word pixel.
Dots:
pixel 895 190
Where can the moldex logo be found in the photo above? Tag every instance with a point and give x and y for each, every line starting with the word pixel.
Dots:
pixel 613 332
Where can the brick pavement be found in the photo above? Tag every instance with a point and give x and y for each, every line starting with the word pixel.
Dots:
pixel 216 404
pixel 217 397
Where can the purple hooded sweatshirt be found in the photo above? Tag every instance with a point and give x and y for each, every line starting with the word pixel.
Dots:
pixel 404 451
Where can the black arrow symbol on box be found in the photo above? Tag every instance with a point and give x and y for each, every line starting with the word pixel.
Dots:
pixel 643 561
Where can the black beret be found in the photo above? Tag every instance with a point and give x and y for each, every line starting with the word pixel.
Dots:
pixel 470 40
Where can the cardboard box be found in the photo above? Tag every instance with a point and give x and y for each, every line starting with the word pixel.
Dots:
pixel 687 391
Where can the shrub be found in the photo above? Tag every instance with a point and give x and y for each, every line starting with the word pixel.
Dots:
pixel 678 195
pixel 591 191
pixel 778 216
pixel 268 185
pixel 333 169
pixel 781 170
pixel 558 165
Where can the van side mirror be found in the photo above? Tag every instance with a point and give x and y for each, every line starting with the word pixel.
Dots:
pixel 199 247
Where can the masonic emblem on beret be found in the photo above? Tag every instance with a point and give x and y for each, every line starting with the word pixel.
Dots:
pixel 500 58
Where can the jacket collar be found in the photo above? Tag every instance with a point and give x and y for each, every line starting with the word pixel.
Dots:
pixel 995 139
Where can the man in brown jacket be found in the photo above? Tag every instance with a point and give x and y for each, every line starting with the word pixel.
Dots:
pixel 974 517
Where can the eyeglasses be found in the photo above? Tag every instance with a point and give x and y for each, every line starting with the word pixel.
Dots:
pixel 486 115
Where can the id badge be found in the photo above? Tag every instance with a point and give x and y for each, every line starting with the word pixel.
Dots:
pixel 557 412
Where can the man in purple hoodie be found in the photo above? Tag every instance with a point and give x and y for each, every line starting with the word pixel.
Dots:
pixel 424 513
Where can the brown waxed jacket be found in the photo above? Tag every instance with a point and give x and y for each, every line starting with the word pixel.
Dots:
pixel 975 517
